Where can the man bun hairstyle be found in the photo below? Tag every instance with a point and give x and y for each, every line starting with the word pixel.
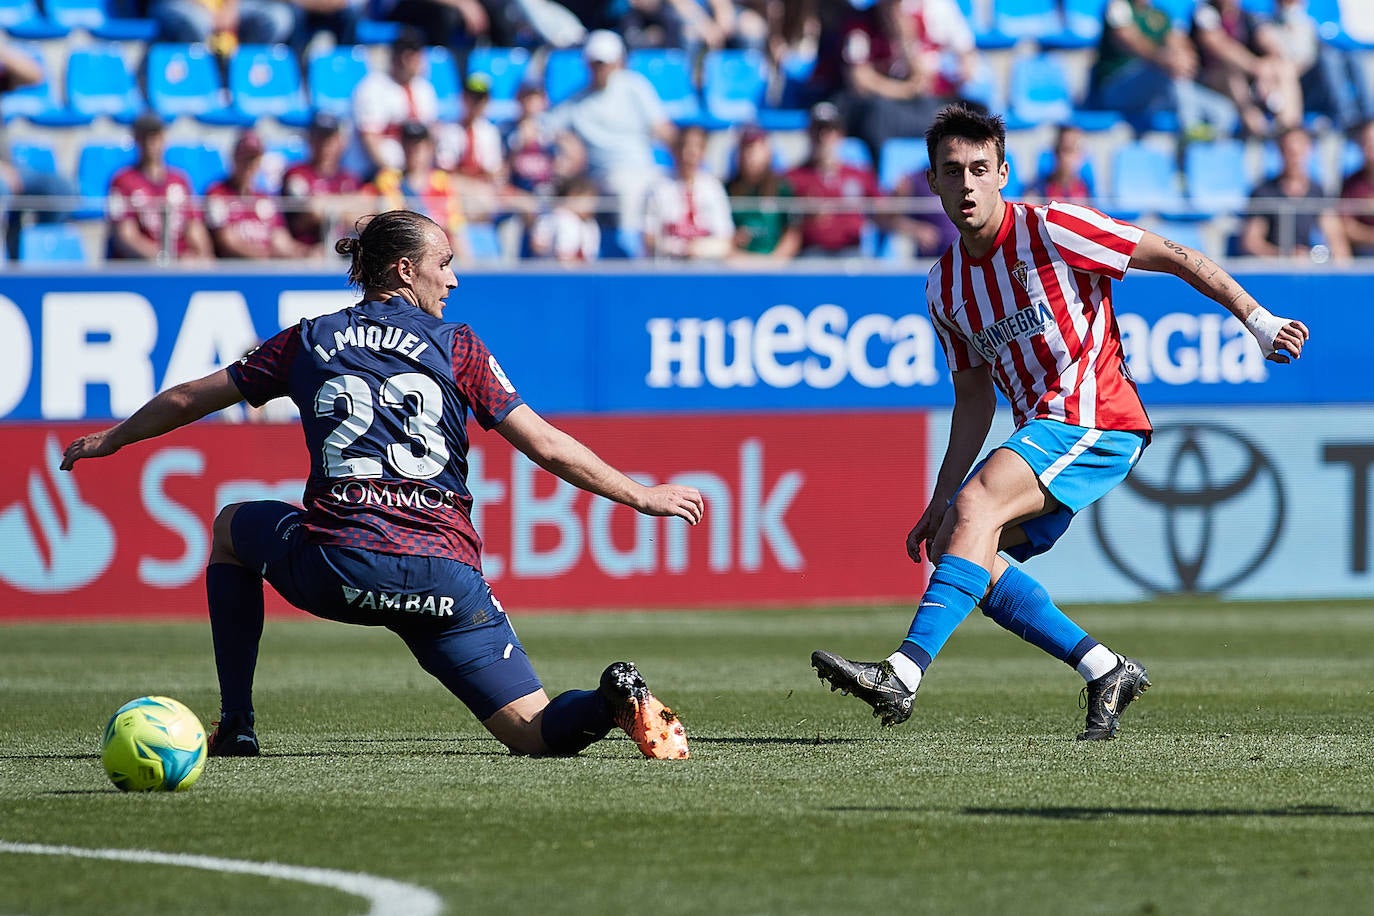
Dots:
pixel 382 240
pixel 967 123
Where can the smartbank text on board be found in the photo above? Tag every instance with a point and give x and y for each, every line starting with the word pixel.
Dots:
pixel 94 347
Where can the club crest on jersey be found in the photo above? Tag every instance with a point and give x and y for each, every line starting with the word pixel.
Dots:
pixel 1020 272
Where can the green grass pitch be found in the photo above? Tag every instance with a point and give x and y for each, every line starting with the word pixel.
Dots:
pixel 1242 783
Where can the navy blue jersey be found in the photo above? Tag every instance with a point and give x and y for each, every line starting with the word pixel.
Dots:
pixel 384 392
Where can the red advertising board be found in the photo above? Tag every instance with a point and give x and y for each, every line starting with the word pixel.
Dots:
pixel 801 508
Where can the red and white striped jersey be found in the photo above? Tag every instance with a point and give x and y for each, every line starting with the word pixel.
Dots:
pixel 1038 309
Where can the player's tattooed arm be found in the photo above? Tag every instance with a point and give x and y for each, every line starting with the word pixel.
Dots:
pixel 1164 255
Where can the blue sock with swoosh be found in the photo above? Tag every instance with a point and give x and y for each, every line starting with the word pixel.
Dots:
pixel 1020 604
pixel 234 594
pixel 955 587
pixel 574 720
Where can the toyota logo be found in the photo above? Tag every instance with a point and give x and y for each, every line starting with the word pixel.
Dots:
pixel 1200 512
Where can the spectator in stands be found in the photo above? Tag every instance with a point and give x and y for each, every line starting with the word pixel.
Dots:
pixel 686 214
pixel 764 227
pixel 1146 66
pixel 930 233
pixel 1067 177
pixel 152 214
pixel 831 231
pixel 1304 228
pixel 384 101
pixel 1335 81
pixel 569 233
pixel 617 118
pixel 1241 58
pixel 422 187
pixel 243 221
pixel 530 151
pixel 337 18
pixel 224 24
pixel 443 23
pixel 314 187
pixel 695 26
pixel 1359 189
pixel 894 63
pixel 18 69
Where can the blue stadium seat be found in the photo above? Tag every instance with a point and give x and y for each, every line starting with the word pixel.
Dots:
pixel 1039 93
pixel 734 83
pixel 265 82
pixel 39 103
pixel 670 73
pixel 99 83
pixel 1034 19
pixel 1083 18
pixel 1331 26
pixel 376 31
pixel 484 244
pixel 22 19
pixel 1213 177
pixel 900 157
pixel 1145 180
pixel 51 243
pixel 95 166
pixel 96 17
pixel 185 80
pixel 506 69
pixel 443 75
pixel 203 164
pixel 1180 11
pixel 565 73
pixel 1263 7
pixel 333 76
pixel 854 151
pixel 37 156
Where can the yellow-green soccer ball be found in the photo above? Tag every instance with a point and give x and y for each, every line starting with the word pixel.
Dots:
pixel 152 744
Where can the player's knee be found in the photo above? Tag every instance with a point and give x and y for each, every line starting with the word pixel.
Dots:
pixel 222 536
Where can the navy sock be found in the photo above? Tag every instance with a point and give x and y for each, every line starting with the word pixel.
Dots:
pixel 1020 604
pixel 955 587
pixel 574 720
pixel 234 594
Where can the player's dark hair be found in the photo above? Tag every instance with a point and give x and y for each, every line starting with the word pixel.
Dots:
pixel 959 120
pixel 382 240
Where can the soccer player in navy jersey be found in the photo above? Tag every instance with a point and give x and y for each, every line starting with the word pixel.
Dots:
pixel 385 537
pixel 1022 305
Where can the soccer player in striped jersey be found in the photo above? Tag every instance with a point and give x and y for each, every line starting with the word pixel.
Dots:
pixel 385 537
pixel 1022 304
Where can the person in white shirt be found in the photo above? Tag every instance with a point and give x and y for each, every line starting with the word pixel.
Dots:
pixel 569 233
pixel 384 101
pixel 687 215
pixel 617 118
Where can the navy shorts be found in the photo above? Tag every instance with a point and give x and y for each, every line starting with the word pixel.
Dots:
pixel 443 609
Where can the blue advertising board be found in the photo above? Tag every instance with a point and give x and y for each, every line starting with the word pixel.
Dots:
pixel 95 346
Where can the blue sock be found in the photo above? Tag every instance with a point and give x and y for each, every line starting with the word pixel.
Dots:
pixel 236 610
pixel 573 720
pixel 1020 604
pixel 955 587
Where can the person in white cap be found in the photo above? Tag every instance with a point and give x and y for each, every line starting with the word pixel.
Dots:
pixel 617 117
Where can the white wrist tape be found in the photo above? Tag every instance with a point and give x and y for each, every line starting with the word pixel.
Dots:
pixel 1265 327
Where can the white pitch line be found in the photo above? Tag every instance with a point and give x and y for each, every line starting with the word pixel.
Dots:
pixel 387 897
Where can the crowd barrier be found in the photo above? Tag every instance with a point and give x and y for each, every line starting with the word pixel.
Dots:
pixel 811 409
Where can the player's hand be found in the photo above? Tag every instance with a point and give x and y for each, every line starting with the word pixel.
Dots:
pixel 91 445
pixel 925 529
pixel 672 500
pixel 1280 339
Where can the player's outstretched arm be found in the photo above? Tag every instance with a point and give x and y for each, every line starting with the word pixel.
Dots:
pixel 168 410
pixel 559 453
pixel 1280 339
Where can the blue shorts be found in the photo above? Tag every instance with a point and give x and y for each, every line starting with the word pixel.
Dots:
pixel 1077 465
pixel 443 609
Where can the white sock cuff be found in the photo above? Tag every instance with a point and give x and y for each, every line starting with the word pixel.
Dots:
pixel 907 671
pixel 1097 662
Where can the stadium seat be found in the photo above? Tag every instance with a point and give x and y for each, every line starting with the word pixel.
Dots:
pixel 443 75
pixel 1039 93
pixel 1180 11
pixel 1214 178
pixel 95 166
pixel 99 83
pixel 565 73
pixel 734 84
pixel 37 156
pixel 203 164
pixel 22 19
pixel 376 31
pixel 670 73
pixel 1145 180
pixel 506 69
pixel 333 76
pixel 1083 18
pixel 900 157
pixel 484 244
pixel 39 103
pixel 1033 19
pixel 51 243
pixel 185 80
pixel 1263 7
pixel 95 16
pixel 854 152
pixel 265 82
